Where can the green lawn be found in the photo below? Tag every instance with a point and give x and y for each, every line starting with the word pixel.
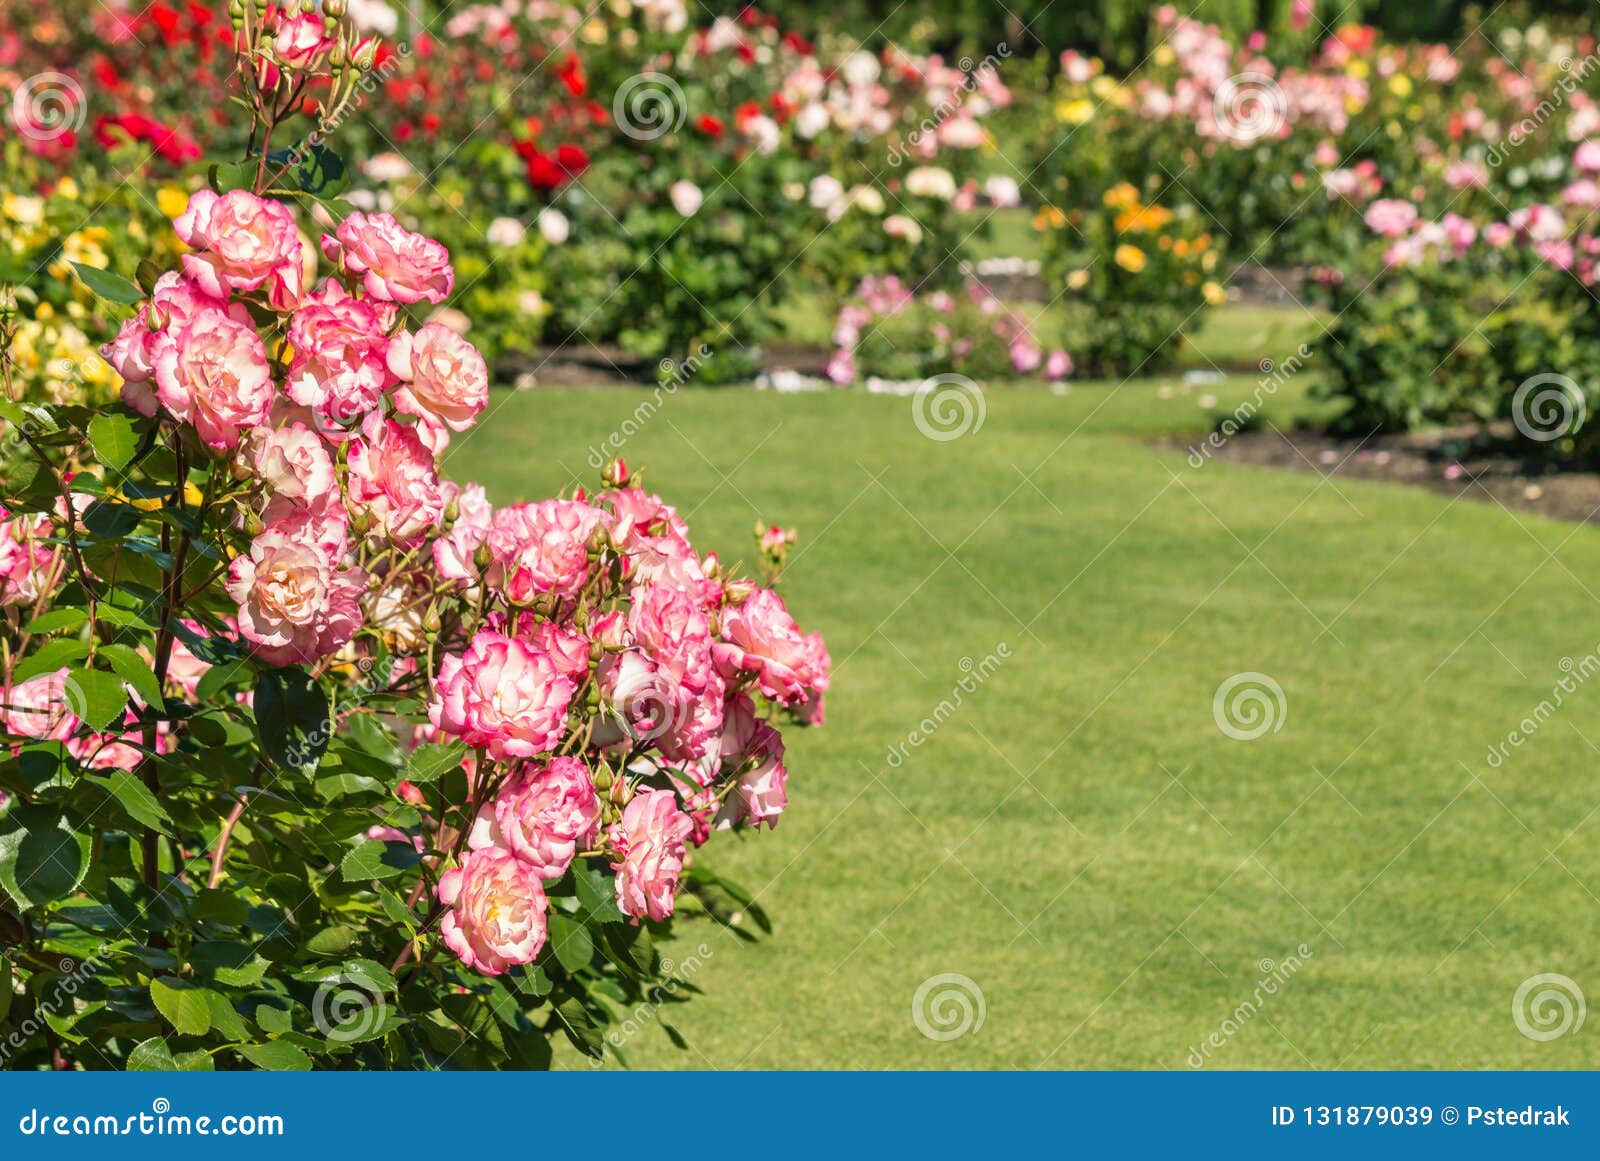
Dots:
pixel 1080 838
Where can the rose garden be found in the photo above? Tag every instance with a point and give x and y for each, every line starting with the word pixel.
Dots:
pixel 675 536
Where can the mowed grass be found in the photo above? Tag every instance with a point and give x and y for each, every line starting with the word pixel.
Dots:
pixel 1079 838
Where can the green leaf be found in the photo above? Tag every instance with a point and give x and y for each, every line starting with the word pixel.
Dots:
pixel 580 1028
pixel 42 858
pixel 151 1055
pixel 228 1023
pixel 134 797
pixel 135 671
pixel 431 760
pixel 110 520
pixel 6 994
pixel 96 696
pixel 64 618
pixel 322 172
pixel 109 286
pixel 292 718
pixel 365 863
pixel 52 655
pixel 186 1007
pixel 276 1056
pixel 571 942
pixel 332 941
pixel 113 439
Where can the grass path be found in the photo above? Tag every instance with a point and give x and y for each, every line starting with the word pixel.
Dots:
pixel 1080 838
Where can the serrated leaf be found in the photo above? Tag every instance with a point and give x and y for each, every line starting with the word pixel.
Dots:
pixel 186 1008
pixel 135 671
pixel 151 1055
pixel 109 286
pixel 276 1056
pixel 365 863
pixel 52 655
pixel 97 697
pixel 431 760
pixel 135 797
pixel 56 619
pixel 41 858
pixel 113 439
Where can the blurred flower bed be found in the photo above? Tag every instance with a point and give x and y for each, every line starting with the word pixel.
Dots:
pixel 648 183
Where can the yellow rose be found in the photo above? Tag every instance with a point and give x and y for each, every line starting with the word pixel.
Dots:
pixel 1400 85
pixel 1214 294
pixel 1130 258
pixel 171 202
pixel 1077 112
pixel 1078 279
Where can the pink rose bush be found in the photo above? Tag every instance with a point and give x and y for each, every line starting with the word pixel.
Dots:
pixel 265 661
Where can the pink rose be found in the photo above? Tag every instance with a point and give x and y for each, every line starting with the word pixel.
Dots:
pixel 296 604
pixel 503 695
pixel 568 651
pixel 212 372
pixel 650 840
pixel 443 379
pixel 454 553
pixel 759 636
pixel 542 548
pixel 497 911
pixel 1587 157
pixel 542 815
pixel 396 264
pixel 392 476
pixel 300 39
pixel 175 299
pixel 672 630
pixel 339 368
pixel 760 793
pixel 240 242
pixel 293 462
pixel 26 563
pixel 1391 217
pixel 37 708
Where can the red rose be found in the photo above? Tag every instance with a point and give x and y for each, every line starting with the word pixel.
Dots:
pixel 709 125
